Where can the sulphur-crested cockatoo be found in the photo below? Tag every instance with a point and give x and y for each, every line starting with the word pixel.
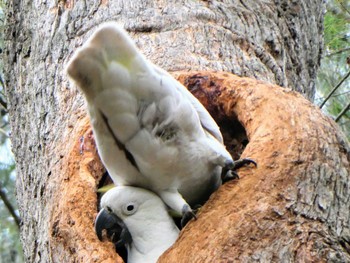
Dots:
pixel 151 132
pixel 137 219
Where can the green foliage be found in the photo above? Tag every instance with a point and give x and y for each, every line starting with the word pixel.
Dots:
pixel 335 64
pixel 10 246
pixel 336 25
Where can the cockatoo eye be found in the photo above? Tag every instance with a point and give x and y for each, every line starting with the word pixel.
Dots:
pixel 109 210
pixel 129 208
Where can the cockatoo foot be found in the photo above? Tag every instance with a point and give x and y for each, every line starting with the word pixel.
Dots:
pixel 187 215
pixel 228 171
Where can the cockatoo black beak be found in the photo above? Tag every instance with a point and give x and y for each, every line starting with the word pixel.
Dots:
pixel 115 228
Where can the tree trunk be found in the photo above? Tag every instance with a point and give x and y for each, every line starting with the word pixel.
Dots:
pixel 275 41
pixel 295 206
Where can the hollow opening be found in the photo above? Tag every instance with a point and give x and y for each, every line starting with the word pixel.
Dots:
pixel 207 90
pixel 235 137
pixel 234 134
pixel 235 140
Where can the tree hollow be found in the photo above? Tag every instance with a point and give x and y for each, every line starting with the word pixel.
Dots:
pixel 281 210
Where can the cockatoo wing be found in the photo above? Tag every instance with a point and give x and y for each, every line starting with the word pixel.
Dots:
pixel 206 119
pixel 150 130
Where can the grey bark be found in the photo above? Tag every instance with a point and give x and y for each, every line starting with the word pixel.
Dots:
pixel 276 41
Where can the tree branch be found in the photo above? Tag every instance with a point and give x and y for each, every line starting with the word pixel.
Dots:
pixel 9 206
pixel 343 7
pixel 3 132
pixel 2 101
pixel 338 52
pixel 334 89
pixel 346 108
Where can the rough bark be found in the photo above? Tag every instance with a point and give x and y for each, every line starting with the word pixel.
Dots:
pixel 276 41
pixel 75 203
pixel 295 206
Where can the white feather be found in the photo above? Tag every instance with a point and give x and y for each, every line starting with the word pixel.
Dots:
pixel 175 144
pixel 152 229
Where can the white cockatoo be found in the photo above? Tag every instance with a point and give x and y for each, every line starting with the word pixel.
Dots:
pixel 137 219
pixel 151 132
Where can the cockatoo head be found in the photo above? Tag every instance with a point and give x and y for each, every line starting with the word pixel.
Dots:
pixel 127 213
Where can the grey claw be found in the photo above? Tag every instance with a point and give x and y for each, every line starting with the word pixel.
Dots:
pixel 187 215
pixel 228 171
pixel 241 162
pixel 230 175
